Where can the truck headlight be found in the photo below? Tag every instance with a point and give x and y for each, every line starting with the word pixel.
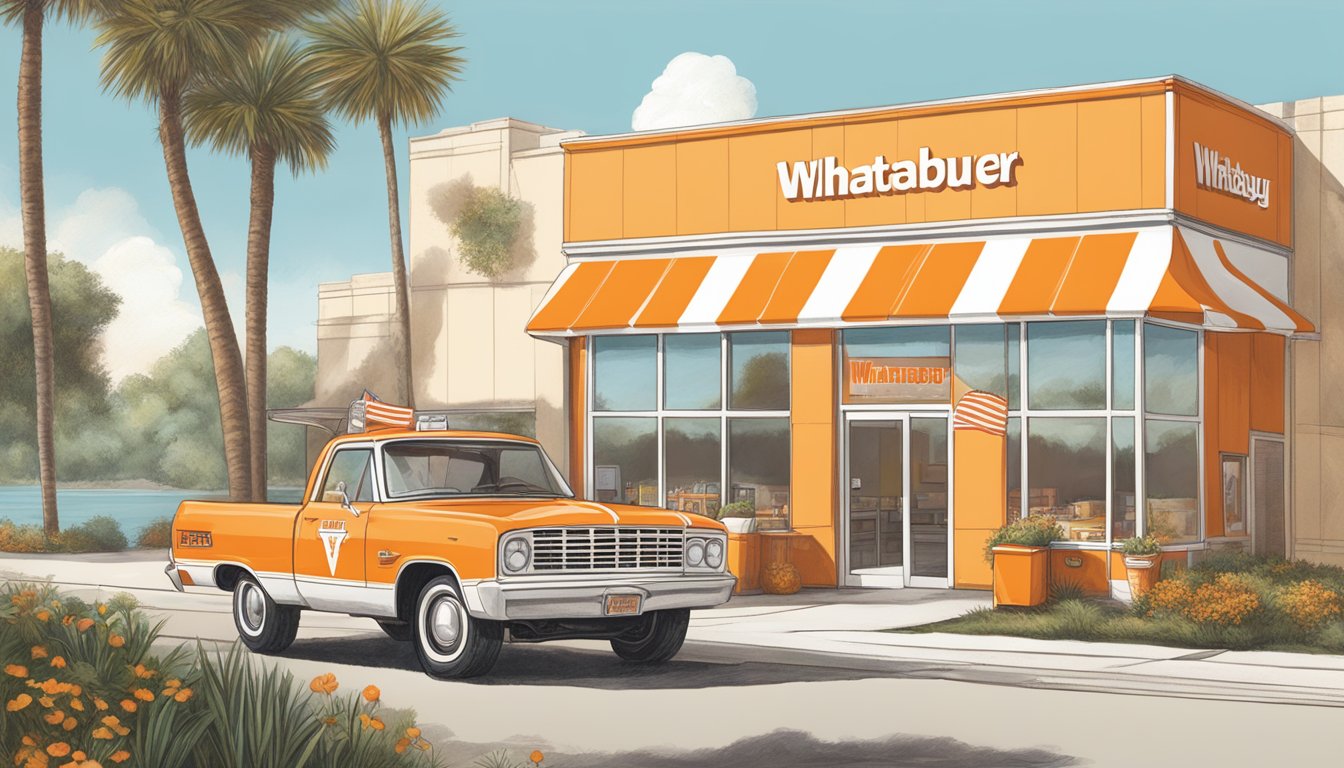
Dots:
pixel 517 555
pixel 714 553
pixel 695 552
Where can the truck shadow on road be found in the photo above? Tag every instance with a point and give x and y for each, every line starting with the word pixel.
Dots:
pixel 548 664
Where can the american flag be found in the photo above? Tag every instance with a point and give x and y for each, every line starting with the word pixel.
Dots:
pixel 380 415
pixel 984 411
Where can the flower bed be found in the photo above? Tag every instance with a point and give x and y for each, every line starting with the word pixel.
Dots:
pixel 1227 601
pixel 82 688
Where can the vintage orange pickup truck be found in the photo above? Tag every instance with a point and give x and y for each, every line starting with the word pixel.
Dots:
pixel 454 541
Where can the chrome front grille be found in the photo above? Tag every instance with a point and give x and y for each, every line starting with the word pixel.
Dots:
pixel 607 549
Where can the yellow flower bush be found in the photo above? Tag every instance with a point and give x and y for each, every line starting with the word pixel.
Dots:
pixel 1225 601
pixel 1310 603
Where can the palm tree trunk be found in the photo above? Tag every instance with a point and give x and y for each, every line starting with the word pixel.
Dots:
pixel 401 326
pixel 258 268
pixel 224 352
pixel 35 254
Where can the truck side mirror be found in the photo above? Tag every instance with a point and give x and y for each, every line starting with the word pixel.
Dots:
pixel 345 499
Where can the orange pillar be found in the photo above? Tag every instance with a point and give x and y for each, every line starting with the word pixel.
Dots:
pixel 979 484
pixel 813 470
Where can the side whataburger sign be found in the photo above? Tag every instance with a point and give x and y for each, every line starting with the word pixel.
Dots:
pixel 826 178
pixel 1216 171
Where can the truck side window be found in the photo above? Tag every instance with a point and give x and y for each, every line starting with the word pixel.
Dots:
pixel 355 469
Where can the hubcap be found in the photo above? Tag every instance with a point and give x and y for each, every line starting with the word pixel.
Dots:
pixel 445 622
pixel 254 607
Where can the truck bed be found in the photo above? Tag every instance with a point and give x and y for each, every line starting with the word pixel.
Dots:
pixel 259 536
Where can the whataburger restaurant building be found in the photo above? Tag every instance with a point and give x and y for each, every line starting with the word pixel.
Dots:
pixel 882 333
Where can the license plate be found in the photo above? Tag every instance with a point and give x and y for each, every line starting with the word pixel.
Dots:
pixel 622 605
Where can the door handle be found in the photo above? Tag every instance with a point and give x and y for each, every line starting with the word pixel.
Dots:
pixel 309 519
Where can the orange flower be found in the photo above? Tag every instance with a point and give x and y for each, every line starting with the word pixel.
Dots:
pixel 402 745
pixel 83 625
pixel 412 733
pixel 67 619
pixel 47 702
pixel 143 673
pixel 174 683
pixel 371 722
pixel 372 694
pixel 325 683
pixel 18 702
pixel 142 694
pixel 77 705
pixel 76 690
pixel 102 609
pixel 69 724
pixel 79 756
pixel 102 733
pixel 59 749
pixel 128 705
pixel 364 720
pixel 16 670
pixel 120 756
pixel 182 696
pixel 116 641
pixel 39 652
pixel 54 717
pixel 111 721
pixel 99 704
pixel 58 662
pixel 42 615
pixel 422 745
pixel 536 757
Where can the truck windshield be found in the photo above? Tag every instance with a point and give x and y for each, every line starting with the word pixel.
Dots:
pixel 446 468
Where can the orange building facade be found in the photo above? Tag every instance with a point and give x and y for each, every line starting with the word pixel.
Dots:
pixel 869 338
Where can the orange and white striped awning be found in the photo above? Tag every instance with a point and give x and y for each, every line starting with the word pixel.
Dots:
pixel 1169 272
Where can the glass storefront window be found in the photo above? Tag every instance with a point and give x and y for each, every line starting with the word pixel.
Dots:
pixel 905 341
pixel 691 469
pixel 1170 371
pixel 980 357
pixel 759 364
pixel 625 460
pixel 692 372
pixel 625 373
pixel 1014 366
pixel 1122 365
pixel 1066 474
pixel 1171 480
pixel 758 468
pixel 1066 365
pixel 1122 478
pixel 1014 449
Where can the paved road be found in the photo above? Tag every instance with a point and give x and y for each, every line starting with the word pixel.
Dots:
pixel 756 706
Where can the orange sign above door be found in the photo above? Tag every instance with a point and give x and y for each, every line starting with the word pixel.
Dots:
pixel 898 379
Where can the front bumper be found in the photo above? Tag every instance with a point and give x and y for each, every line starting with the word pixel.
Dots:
pixel 575 597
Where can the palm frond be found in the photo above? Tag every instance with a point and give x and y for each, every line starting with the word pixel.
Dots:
pixel 270 98
pixel 386 60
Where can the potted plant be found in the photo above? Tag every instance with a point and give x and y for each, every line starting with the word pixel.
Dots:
pixel 744 545
pixel 1142 556
pixel 1020 555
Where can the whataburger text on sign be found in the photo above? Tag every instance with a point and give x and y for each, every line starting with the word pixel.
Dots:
pixel 898 379
pixel 1214 170
pixel 826 178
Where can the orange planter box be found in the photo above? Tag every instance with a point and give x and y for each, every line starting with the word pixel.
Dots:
pixel 1021 575
pixel 744 561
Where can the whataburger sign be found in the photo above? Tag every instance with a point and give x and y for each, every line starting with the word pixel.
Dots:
pixel 825 178
pixel 1215 171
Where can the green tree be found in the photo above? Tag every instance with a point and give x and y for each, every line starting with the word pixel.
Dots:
pixel 388 61
pixel 267 107
pixel 290 385
pixel 82 308
pixel 31 15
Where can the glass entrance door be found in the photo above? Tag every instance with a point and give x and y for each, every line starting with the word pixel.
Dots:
pixel 896 501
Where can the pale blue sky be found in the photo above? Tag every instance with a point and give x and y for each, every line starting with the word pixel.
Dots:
pixel 586 64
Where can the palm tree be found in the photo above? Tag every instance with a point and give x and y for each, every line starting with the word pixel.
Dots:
pixel 156 51
pixel 31 15
pixel 268 107
pixel 387 61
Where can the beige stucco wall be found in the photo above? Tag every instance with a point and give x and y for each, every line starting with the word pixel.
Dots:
pixel 469 346
pixel 354 329
pixel 1316 416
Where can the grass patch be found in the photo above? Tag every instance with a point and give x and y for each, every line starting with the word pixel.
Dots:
pixel 1232 601
pixel 97 534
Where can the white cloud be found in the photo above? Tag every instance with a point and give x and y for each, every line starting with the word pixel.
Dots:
pixel 695 89
pixel 104 230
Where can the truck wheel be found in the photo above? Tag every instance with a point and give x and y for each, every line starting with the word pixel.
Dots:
pixel 397 630
pixel 263 625
pixel 449 642
pixel 657 640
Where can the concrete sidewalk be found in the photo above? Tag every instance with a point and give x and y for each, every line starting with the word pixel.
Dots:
pixel 823 628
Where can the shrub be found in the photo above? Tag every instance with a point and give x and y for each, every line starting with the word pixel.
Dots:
pixel 1141 545
pixel 1226 601
pixel 738 509
pixel 21 538
pixel 97 534
pixel 1031 531
pixel 156 535
pixel 1310 604
pixel 486 228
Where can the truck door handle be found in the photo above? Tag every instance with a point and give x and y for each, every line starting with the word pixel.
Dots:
pixel 310 519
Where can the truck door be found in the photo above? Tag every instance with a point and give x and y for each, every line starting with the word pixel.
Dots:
pixel 329 537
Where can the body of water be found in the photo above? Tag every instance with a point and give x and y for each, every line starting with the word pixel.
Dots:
pixel 133 509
